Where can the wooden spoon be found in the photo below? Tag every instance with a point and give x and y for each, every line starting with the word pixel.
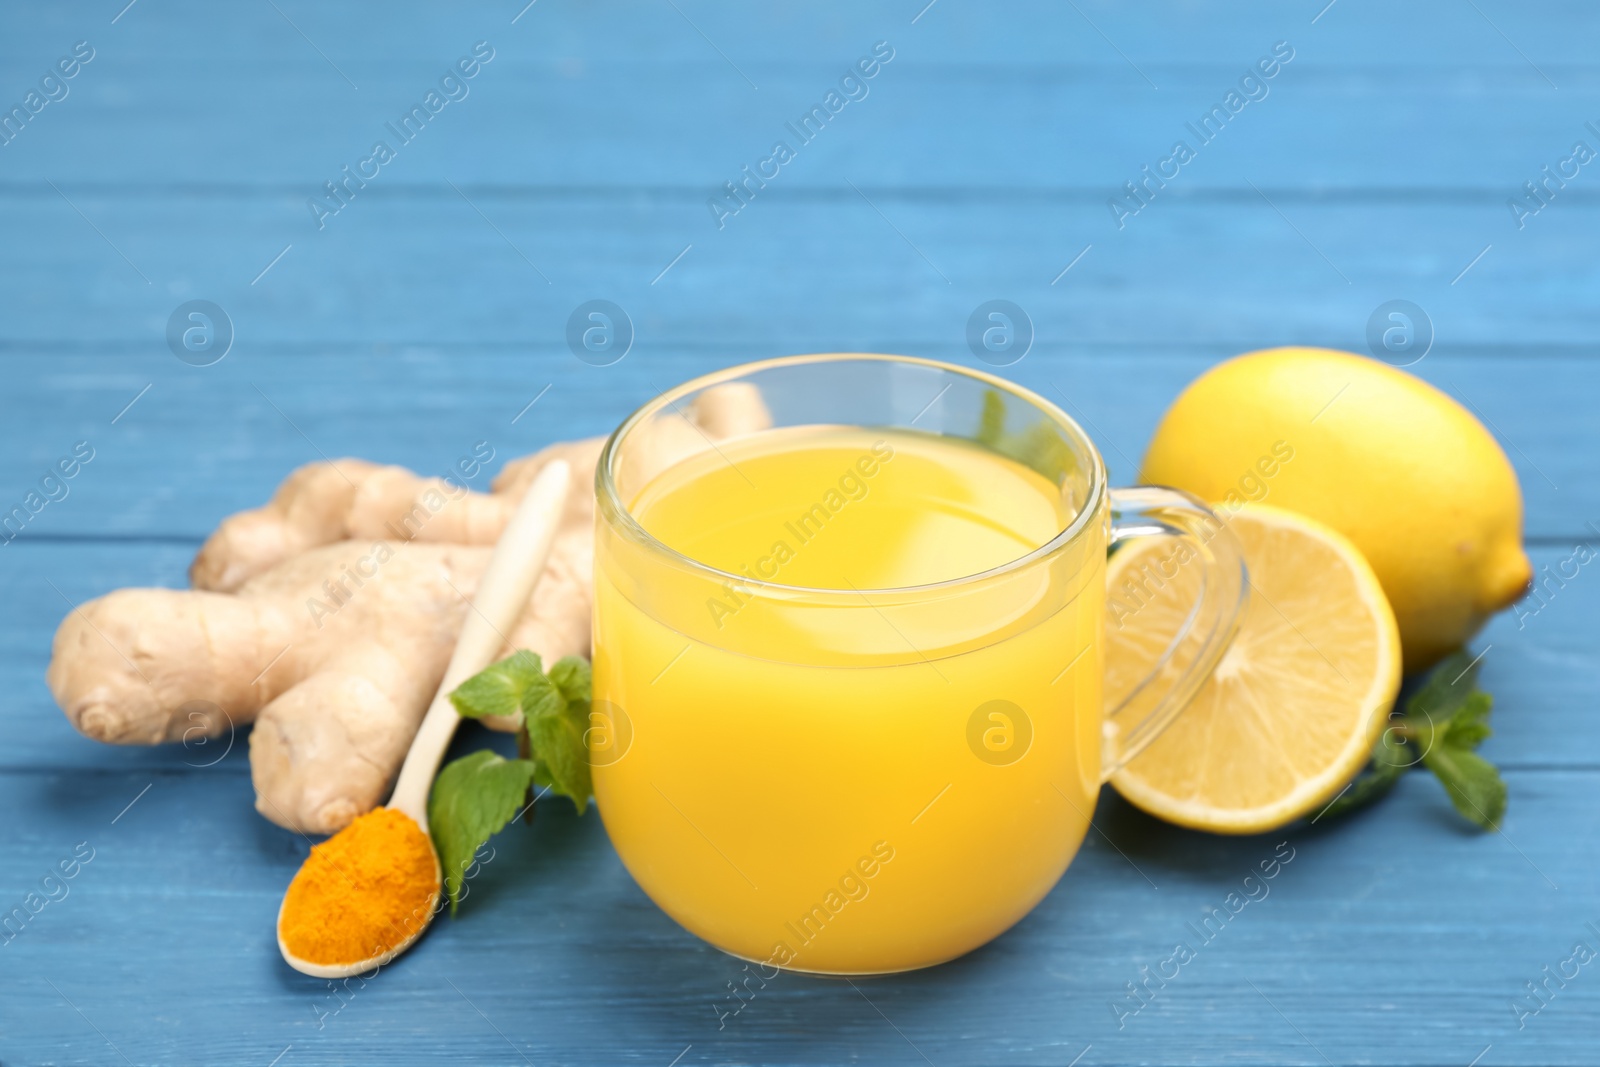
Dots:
pixel 514 568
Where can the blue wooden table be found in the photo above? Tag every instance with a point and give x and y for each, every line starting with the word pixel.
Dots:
pixel 422 305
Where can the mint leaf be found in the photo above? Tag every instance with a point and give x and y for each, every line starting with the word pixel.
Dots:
pixel 1444 721
pixel 472 799
pixel 1391 759
pixel 1469 726
pixel 1474 786
pixel 1446 689
pixel 991 420
pixel 574 677
pixel 1039 447
pixel 555 713
pixel 498 689
pixel 1457 714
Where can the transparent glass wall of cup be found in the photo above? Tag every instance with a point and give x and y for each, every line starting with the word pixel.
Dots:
pixel 858 781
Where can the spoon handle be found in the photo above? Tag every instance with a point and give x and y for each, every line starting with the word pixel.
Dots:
pixel 514 568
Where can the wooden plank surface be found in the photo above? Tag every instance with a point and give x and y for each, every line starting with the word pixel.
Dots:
pixel 202 443
pixel 426 314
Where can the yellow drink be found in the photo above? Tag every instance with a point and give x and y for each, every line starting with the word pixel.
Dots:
pixel 834 763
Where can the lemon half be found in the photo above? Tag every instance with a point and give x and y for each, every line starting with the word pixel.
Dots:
pixel 1292 712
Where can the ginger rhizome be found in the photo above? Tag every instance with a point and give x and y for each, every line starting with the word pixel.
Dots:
pixel 327 617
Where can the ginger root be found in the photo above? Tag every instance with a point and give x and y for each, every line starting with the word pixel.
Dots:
pixel 351 499
pixel 335 699
pixel 327 617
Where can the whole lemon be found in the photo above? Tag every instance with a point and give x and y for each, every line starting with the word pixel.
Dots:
pixel 1383 457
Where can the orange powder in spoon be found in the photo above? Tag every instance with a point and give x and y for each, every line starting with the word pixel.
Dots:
pixel 365 890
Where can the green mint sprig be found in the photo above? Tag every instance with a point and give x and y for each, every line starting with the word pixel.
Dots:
pixel 1443 724
pixel 472 800
pixel 475 796
pixel 1040 446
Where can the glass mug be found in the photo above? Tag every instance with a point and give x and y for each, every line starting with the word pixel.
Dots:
pixel 847 780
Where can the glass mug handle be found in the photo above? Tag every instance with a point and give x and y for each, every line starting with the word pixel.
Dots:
pixel 1138 717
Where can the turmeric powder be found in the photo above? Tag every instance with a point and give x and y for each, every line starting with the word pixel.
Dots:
pixel 366 890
